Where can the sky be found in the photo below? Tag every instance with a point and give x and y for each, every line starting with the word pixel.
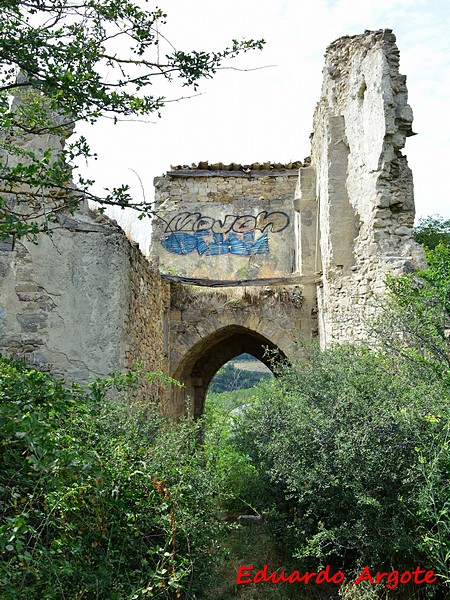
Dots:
pixel 264 111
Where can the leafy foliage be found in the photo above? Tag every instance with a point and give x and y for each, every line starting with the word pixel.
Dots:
pixel 417 325
pixel 99 497
pixel 338 452
pixel 352 445
pixel 353 452
pixel 239 474
pixel 66 61
pixel 431 231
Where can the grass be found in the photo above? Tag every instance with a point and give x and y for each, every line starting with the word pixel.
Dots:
pixel 254 545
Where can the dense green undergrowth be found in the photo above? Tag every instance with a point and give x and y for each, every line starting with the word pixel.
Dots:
pixel 347 458
pixel 347 454
pixel 99 498
pixel 353 457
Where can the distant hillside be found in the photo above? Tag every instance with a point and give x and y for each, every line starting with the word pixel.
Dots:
pixel 243 372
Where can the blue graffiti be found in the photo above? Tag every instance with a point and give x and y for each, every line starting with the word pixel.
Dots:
pixel 182 243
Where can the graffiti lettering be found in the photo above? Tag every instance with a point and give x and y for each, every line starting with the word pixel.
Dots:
pixel 227 224
pixel 186 221
pixel 276 220
pixel 240 235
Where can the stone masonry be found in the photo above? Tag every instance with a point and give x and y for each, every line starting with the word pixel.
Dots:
pixel 232 225
pixel 363 190
pixel 83 302
pixel 201 211
pixel 295 251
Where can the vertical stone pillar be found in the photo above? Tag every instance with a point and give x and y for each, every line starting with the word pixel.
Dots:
pixel 364 187
pixel 306 221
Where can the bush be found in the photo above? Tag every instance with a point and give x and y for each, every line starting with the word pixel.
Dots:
pixel 100 498
pixel 240 477
pixel 350 445
pixel 416 326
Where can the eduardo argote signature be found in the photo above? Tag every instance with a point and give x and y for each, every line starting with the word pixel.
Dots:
pixel 391 579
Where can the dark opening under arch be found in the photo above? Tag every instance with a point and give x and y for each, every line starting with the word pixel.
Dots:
pixel 207 356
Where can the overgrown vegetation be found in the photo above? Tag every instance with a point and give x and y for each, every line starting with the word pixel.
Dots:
pixel 348 448
pixel 345 457
pixel 99 498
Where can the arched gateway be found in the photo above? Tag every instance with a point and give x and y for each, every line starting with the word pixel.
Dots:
pixel 210 326
pixel 202 357
pixel 241 228
pixel 208 355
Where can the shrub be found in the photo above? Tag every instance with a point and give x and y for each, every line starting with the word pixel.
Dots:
pixel 240 477
pixel 431 231
pixel 340 441
pixel 99 498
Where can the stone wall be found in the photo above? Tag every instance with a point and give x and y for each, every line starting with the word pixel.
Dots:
pixel 364 187
pixel 211 225
pixel 148 327
pixel 209 327
pixel 225 225
pixel 83 302
pixel 64 300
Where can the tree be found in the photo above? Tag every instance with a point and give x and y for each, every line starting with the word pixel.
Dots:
pixel 416 323
pixel 65 61
pixel 432 230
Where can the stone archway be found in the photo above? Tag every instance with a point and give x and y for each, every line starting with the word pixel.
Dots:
pixel 208 355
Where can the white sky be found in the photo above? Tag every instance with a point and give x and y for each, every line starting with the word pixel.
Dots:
pixel 266 114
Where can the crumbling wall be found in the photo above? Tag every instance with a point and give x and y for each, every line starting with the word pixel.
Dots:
pixel 148 325
pixel 364 187
pixel 209 327
pixel 82 302
pixel 63 300
pixel 225 225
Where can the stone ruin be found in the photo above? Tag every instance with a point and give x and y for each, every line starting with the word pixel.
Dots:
pixel 243 257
